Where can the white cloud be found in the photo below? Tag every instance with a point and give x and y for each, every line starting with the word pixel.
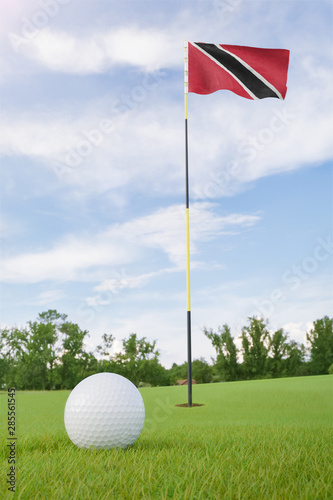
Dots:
pixel 122 280
pixel 36 139
pixel 81 258
pixel 63 52
pixel 65 261
pixel 295 330
pixel 147 49
pixel 49 297
pixel 164 229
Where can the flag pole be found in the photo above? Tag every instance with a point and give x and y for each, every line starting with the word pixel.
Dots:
pixel 189 348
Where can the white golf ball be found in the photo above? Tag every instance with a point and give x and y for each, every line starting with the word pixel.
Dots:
pixel 104 411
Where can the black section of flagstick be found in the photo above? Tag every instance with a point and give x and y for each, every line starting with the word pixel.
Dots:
pixel 189 358
pixel 189 349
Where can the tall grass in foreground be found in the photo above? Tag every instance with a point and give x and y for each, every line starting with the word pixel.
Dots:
pixel 267 439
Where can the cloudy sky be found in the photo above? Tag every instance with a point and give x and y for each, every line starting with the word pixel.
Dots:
pixel 92 170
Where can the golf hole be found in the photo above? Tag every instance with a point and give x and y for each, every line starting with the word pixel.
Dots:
pixel 185 405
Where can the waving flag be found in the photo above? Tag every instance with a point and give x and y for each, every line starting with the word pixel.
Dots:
pixel 250 72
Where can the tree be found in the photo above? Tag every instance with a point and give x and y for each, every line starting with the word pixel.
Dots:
pixel 2 361
pixel 226 361
pixel 14 342
pixel 103 350
pixel 74 358
pixel 254 342
pixel 134 362
pixel 53 317
pixel 88 365
pixel 320 339
pixel 156 374
pixel 42 350
pixel 201 371
pixel 278 349
pixel 30 353
pixel 178 372
pixel 295 365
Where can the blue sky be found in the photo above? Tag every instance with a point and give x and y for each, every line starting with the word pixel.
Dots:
pixel 92 170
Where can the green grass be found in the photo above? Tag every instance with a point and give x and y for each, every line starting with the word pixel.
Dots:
pixel 269 439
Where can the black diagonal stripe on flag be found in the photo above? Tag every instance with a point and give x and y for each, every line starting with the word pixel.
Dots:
pixel 241 72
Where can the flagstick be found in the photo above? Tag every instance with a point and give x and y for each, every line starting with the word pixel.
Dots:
pixel 189 355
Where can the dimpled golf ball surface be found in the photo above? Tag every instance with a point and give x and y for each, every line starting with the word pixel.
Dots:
pixel 104 411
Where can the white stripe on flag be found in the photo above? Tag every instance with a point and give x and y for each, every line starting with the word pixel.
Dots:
pixel 258 75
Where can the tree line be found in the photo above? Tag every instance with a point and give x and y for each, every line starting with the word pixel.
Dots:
pixel 50 353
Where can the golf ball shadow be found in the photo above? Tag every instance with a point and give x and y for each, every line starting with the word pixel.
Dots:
pixel 104 411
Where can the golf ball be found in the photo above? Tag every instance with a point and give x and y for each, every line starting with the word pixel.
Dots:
pixel 104 411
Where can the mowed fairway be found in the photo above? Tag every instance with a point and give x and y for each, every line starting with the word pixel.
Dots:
pixel 265 439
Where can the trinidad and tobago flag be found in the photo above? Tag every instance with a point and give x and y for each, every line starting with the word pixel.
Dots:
pixel 250 72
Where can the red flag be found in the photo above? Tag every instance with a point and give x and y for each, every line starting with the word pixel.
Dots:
pixel 250 72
